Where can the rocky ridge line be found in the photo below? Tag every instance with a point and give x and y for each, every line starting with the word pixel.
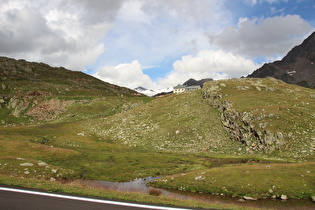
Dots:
pixel 241 125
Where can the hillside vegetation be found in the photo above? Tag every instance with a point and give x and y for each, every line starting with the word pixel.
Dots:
pixel 20 78
pixel 238 116
pixel 177 123
pixel 266 115
pixel 272 120
pixel 238 137
pixel 31 93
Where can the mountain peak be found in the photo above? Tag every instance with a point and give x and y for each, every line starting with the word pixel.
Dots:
pixel 297 67
pixel 140 88
pixel 306 49
pixel 192 82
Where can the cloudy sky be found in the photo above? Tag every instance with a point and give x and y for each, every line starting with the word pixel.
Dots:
pixel 154 43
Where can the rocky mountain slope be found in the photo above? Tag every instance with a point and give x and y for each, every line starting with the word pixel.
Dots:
pixel 19 77
pixel 35 92
pixel 297 67
pixel 192 82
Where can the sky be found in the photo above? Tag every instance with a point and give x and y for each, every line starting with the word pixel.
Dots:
pixel 154 43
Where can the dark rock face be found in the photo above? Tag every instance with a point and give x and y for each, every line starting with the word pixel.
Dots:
pixel 192 82
pixel 297 67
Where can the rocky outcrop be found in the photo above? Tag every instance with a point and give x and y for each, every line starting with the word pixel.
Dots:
pixel 242 126
pixel 37 107
pixel 49 109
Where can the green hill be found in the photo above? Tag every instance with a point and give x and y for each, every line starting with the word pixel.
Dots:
pixel 237 116
pixel 36 92
pixel 233 137
pixel 20 78
pixel 266 115
pixel 182 123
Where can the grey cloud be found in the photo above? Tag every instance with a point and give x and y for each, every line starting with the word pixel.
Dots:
pixel 264 37
pixel 21 30
pixel 52 33
pixel 93 11
pixel 188 12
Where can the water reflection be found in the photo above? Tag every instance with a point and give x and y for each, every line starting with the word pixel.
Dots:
pixel 139 185
pixel 136 185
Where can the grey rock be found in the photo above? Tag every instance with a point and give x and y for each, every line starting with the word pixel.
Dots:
pixel 26 164
pixel 54 170
pixel 250 198
pixel 42 164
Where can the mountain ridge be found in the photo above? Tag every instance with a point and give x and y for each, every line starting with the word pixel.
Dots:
pixel 26 74
pixel 192 82
pixel 33 92
pixel 297 67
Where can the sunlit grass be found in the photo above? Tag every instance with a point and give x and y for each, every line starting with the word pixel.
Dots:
pixel 255 180
pixel 80 188
pixel 120 139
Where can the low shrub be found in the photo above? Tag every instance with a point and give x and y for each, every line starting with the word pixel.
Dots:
pixel 155 192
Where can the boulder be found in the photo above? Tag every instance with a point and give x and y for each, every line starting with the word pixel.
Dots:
pixel 42 163
pixel 249 198
pixel 26 164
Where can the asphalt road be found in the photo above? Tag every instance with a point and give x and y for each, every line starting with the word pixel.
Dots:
pixel 16 199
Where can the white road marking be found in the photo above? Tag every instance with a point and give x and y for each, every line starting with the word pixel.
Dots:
pixel 89 199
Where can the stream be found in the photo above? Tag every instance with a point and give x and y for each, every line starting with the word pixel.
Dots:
pixel 136 185
pixel 139 185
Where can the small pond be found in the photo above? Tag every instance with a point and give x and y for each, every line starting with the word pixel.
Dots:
pixel 139 185
pixel 136 185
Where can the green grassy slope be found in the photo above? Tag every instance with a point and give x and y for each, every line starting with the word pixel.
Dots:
pixel 270 119
pixel 95 133
pixel 267 115
pixel 253 180
pixel 76 154
pixel 182 123
pixel 35 92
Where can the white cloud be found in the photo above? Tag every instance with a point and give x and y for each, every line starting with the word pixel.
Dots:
pixel 50 33
pixel 127 75
pixel 102 34
pixel 264 36
pixel 208 64
pixel 155 31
